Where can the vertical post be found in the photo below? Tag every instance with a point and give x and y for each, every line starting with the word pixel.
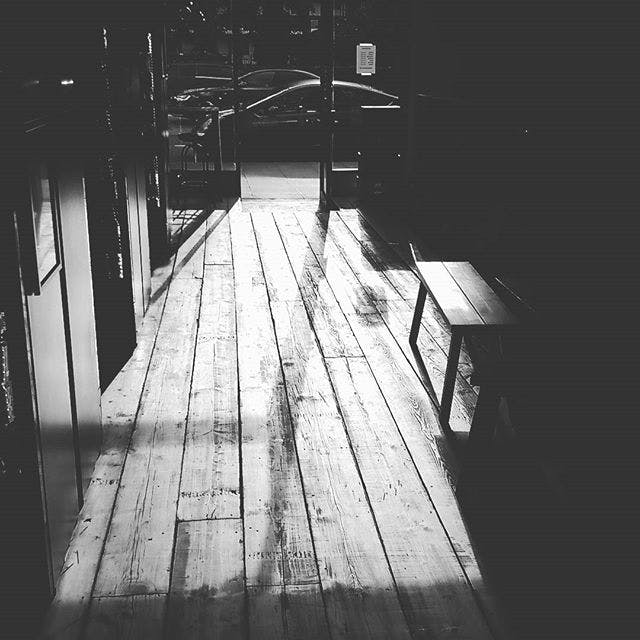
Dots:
pixel 158 166
pixel 326 83
pixel 413 36
pixel 235 45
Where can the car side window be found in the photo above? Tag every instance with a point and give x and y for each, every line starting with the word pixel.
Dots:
pixel 344 99
pixel 371 98
pixel 308 99
pixel 347 99
pixel 259 79
pixel 291 102
pixel 287 78
pixel 276 106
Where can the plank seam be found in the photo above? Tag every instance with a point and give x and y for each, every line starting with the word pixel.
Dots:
pixel 295 443
pixel 460 377
pixel 474 593
pixel 468 581
pixel 186 421
pixel 245 617
pixel 86 613
pixel 405 613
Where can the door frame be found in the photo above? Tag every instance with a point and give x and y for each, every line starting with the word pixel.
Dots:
pixel 327 37
pixel 327 33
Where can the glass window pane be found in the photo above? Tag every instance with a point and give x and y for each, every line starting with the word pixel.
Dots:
pixel 258 79
pixel 41 201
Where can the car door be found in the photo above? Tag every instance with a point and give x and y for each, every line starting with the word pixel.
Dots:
pixel 285 124
pixel 347 120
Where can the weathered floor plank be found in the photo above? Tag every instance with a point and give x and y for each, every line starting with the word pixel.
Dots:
pixel 218 244
pixel 358 588
pixel 127 618
pixel 417 422
pixel 303 229
pixel 207 598
pixel 402 277
pixel 292 612
pixel 285 437
pixel 137 554
pixel 397 313
pixel 277 539
pixel 391 368
pixel 301 279
pixel 398 319
pixel 210 484
pixel 432 584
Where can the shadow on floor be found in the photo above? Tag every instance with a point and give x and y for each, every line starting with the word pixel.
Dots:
pixel 556 548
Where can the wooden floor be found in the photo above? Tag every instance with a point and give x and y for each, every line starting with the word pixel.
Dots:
pixel 272 465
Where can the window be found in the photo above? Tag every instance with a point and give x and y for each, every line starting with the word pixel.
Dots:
pixel 351 98
pixel 287 78
pixel 43 221
pixel 307 99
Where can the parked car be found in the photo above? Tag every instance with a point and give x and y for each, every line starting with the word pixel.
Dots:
pixel 253 86
pixel 289 122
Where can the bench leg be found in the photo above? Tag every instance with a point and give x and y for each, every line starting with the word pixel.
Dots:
pixel 417 314
pixel 474 478
pixel 484 419
pixel 450 378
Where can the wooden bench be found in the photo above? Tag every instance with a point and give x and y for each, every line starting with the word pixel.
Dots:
pixel 469 305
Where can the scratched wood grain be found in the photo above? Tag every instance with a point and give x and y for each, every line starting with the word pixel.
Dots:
pixel 207 598
pixel 210 483
pixel 398 267
pixel 277 537
pixel 432 584
pixel 218 244
pixel 137 554
pixel 293 279
pixel 350 295
pixel 359 591
pixel 417 422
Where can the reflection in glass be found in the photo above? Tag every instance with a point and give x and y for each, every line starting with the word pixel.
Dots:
pixel 43 220
pixel 199 50
pixel 384 25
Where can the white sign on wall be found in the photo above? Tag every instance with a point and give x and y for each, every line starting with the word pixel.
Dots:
pixel 366 59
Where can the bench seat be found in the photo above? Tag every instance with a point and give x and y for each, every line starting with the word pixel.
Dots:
pixel 469 305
